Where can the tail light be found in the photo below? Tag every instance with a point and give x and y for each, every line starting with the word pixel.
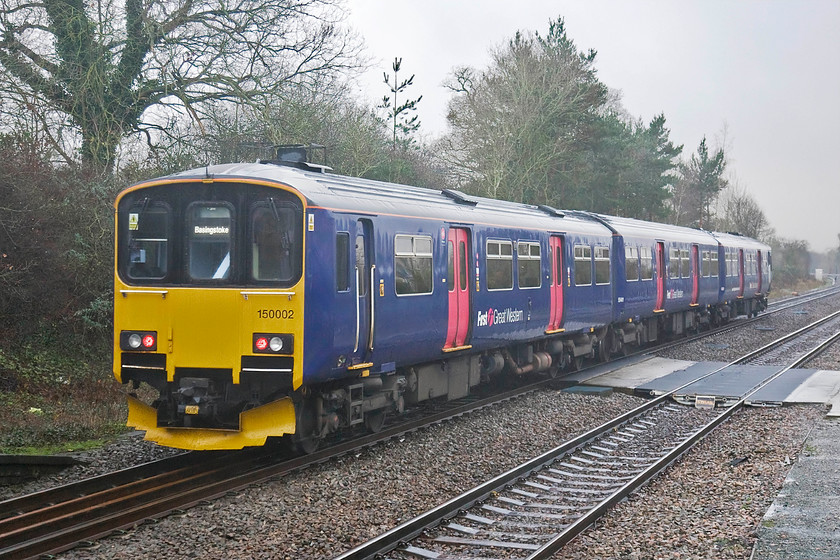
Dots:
pixel 268 343
pixel 138 341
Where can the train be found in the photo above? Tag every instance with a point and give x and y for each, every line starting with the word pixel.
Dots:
pixel 255 301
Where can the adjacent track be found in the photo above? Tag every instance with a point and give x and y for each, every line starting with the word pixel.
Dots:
pixel 536 508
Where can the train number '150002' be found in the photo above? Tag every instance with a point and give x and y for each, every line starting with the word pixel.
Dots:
pixel 276 313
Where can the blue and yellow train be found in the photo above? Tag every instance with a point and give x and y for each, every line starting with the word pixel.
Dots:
pixel 268 299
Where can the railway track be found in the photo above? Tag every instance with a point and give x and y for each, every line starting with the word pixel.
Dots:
pixel 533 510
pixel 54 520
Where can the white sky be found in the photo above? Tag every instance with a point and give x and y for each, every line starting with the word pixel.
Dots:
pixel 766 71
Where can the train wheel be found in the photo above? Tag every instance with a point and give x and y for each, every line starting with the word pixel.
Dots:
pixel 374 420
pixel 603 354
pixel 306 438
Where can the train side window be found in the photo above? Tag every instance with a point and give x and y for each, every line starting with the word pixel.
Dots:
pixel 684 264
pixel 413 264
pixel 674 264
pixel 462 257
pixel 499 265
pixel 209 240
pixel 706 264
pixel 272 231
pixel 631 263
pixel 602 265
pixel 715 270
pixel 450 264
pixel 530 274
pixel 646 256
pixel 342 262
pixel 361 267
pixel 583 265
pixel 149 234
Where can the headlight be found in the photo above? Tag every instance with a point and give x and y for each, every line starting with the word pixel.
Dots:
pixel 138 341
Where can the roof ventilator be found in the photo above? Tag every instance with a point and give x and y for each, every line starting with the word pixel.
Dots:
pixel 551 211
pixel 460 197
pixel 300 156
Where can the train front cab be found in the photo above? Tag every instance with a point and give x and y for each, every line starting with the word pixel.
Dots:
pixel 208 310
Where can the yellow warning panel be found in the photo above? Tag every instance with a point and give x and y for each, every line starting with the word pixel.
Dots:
pixel 255 426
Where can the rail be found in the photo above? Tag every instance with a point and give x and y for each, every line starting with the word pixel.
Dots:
pixel 517 490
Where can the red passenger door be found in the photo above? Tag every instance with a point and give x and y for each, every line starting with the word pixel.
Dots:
pixel 660 276
pixel 759 271
pixel 695 274
pixel 556 317
pixel 458 326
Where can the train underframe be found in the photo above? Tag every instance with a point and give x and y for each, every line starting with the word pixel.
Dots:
pixel 210 400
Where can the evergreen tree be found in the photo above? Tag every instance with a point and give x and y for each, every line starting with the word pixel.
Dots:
pixel 701 181
pixel 403 122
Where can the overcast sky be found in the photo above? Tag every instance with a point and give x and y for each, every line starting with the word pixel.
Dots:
pixel 766 71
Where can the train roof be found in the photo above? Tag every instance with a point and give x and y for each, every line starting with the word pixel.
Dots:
pixel 343 193
pixel 738 240
pixel 365 196
pixel 631 227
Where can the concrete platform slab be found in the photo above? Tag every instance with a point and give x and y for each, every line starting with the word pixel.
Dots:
pixel 602 369
pixel 815 389
pixel 779 390
pixel 638 374
pixel 678 378
pixel 590 390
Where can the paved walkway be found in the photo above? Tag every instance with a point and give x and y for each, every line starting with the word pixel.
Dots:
pixel 804 520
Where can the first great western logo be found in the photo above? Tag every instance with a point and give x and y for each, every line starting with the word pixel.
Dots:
pixel 493 317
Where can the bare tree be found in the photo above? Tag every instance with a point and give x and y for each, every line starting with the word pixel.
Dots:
pixel 516 126
pixel 742 214
pixel 99 67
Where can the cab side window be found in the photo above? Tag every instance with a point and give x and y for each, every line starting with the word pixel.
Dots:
pixel 149 240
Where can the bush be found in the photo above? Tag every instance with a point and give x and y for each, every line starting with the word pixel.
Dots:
pixel 56 239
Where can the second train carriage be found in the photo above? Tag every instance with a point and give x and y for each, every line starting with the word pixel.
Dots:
pixel 261 300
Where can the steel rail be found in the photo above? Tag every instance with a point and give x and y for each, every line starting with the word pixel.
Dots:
pixel 107 491
pixel 17 506
pixel 39 526
pixel 584 522
pixel 405 532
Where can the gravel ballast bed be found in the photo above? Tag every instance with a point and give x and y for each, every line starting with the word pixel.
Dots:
pixel 702 506
pixel 708 505
pixel 331 507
